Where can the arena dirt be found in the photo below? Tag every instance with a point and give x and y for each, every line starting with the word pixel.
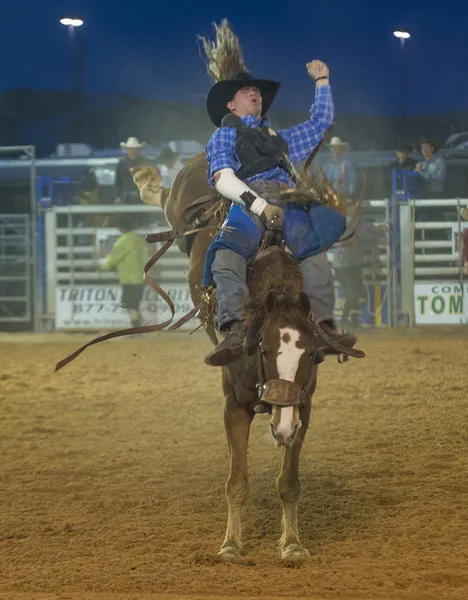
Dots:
pixel 112 475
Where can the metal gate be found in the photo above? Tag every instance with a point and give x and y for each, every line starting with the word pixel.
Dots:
pixel 78 294
pixel 19 284
pixel 15 269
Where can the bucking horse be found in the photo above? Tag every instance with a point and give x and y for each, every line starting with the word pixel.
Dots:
pixel 283 343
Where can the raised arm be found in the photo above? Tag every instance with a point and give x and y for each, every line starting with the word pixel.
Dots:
pixel 303 138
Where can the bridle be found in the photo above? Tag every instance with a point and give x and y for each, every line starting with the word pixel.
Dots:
pixel 281 392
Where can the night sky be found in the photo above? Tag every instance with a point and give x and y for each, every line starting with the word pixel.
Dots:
pixel 149 49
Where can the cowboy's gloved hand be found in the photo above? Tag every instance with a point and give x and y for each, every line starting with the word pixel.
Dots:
pixel 273 216
pixel 258 206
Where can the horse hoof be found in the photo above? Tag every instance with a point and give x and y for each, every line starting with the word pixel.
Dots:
pixel 294 554
pixel 230 555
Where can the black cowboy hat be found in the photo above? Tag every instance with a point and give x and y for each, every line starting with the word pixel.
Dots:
pixel 405 147
pixel 224 91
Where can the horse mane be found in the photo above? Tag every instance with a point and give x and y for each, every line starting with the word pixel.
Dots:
pixel 223 57
pixel 278 291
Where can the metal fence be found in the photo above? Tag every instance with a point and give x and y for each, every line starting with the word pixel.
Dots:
pixel 19 274
pixel 79 295
pixel 431 262
pixel 15 269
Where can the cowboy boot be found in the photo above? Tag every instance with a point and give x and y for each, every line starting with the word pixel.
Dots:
pixel 339 335
pixel 230 349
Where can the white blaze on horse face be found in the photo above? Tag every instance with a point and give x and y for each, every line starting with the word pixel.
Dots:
pixel 289 355
pixel 287 363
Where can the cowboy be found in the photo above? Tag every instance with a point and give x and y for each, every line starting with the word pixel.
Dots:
pixel 339 169
pixel 126 189
pixel 249 163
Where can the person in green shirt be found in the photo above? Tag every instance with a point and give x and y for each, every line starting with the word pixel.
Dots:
pixel 129 256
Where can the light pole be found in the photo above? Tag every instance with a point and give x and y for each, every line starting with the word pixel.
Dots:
pixel 76 64
pixel 403 35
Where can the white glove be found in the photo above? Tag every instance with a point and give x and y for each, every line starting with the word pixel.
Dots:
pixel 258 206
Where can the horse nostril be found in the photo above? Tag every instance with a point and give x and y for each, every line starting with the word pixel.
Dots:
pixel 273 432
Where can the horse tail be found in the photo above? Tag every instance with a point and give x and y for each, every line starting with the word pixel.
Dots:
pixel 223 57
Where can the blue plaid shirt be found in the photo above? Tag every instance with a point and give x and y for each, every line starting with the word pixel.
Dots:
pixel 301 139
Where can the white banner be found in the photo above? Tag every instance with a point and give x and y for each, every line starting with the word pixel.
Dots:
pixel 98 307
pixel 441 303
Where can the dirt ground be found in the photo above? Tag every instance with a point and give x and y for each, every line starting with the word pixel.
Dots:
pixel 112 474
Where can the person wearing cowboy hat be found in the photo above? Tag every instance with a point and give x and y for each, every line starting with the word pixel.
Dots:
pixel 127 191
pixel 431 168
pixel 339 170
pixel 249 163
pixel 403 160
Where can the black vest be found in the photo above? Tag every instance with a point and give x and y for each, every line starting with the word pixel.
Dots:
pixel 258 149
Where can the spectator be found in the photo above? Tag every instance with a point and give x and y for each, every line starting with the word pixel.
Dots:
pixel 339 169
pixel 348 264
pixel 432 169
pixel 404 161
pixel 127 191
pixel 171 165
pixel 400 168
pixel 129 255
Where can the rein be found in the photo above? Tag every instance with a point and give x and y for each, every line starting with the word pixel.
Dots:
pixel 168 237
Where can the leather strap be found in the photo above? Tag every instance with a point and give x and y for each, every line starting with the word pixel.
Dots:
pixel 168 237
pixel 132 330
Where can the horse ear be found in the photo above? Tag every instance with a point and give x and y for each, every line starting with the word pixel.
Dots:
pixel 304 302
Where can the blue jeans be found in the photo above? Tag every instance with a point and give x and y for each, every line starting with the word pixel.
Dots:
pixel 230 276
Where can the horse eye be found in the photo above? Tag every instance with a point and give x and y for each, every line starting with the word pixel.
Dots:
pixel 264 352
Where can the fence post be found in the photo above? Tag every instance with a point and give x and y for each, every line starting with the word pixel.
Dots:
pixel 51 260
pixel 406 265
pixel 398 196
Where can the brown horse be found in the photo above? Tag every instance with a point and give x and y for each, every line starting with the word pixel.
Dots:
pixel 283 346
pixel 283 342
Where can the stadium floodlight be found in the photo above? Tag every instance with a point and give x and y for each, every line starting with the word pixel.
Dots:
pixel 71 22
pixel 404 35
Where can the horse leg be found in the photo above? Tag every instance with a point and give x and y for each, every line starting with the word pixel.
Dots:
pixel 237 422
pixel 289 491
